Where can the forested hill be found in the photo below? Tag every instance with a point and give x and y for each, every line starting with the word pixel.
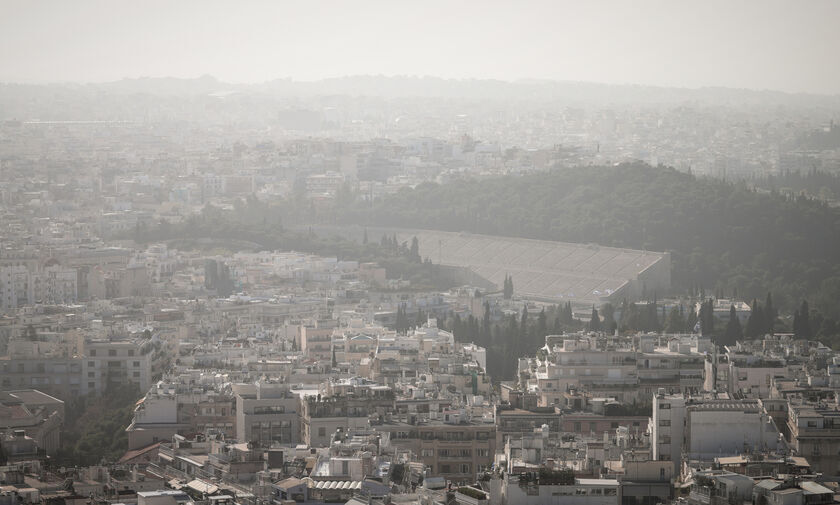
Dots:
pixel 722 236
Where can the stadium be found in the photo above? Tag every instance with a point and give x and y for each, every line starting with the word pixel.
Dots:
pixel 549 271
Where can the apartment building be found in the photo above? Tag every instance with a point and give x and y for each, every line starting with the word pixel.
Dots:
pixel 705 428
pixel 61 377
pixel 453 446
pixel 814 433
pixel 268 414
pixel 348 405
pixel 37 414
pixel 116 362
pixel 576 362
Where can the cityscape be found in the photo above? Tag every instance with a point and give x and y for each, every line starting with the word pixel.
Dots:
pixel 369 287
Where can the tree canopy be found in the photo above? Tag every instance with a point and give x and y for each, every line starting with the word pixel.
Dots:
pixel 722 236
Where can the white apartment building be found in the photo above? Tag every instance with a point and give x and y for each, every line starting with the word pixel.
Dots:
pixel 267 413
pixel 706 428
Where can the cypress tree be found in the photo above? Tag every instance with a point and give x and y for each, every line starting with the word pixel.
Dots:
pixel 507 290
pixel 755 323
pixel 485 323
pixel 674 323
pixel 608 311
pixel 733 328
pixel 523 325
pixel 542 328
pixel 414 252
pixel 770 314
pixel 804 321
pixel 594 320
pixel 707 317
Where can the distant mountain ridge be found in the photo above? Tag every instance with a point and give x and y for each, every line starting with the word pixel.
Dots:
pixel 480 89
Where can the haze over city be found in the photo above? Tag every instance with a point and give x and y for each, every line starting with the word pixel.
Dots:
pixel 753 44
pixel 378 252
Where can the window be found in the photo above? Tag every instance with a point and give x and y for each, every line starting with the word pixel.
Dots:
pixel 443 453
pixel 131 352
pixel 444 468
pixel 136 375
pixel 112 352
pixel 91 385
pixel 482 453
pixel 577 427
pixel 91 364
pixel 136 364
pixel 664 422
pixel 466 467
pixel 92 375
pixel 427 453
pixel 322 432
pixel 664 406
pixel 93 352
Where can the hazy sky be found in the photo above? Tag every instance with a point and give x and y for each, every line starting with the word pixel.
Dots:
pixel 763 44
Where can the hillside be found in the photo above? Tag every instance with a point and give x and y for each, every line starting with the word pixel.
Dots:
pixel 723 237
